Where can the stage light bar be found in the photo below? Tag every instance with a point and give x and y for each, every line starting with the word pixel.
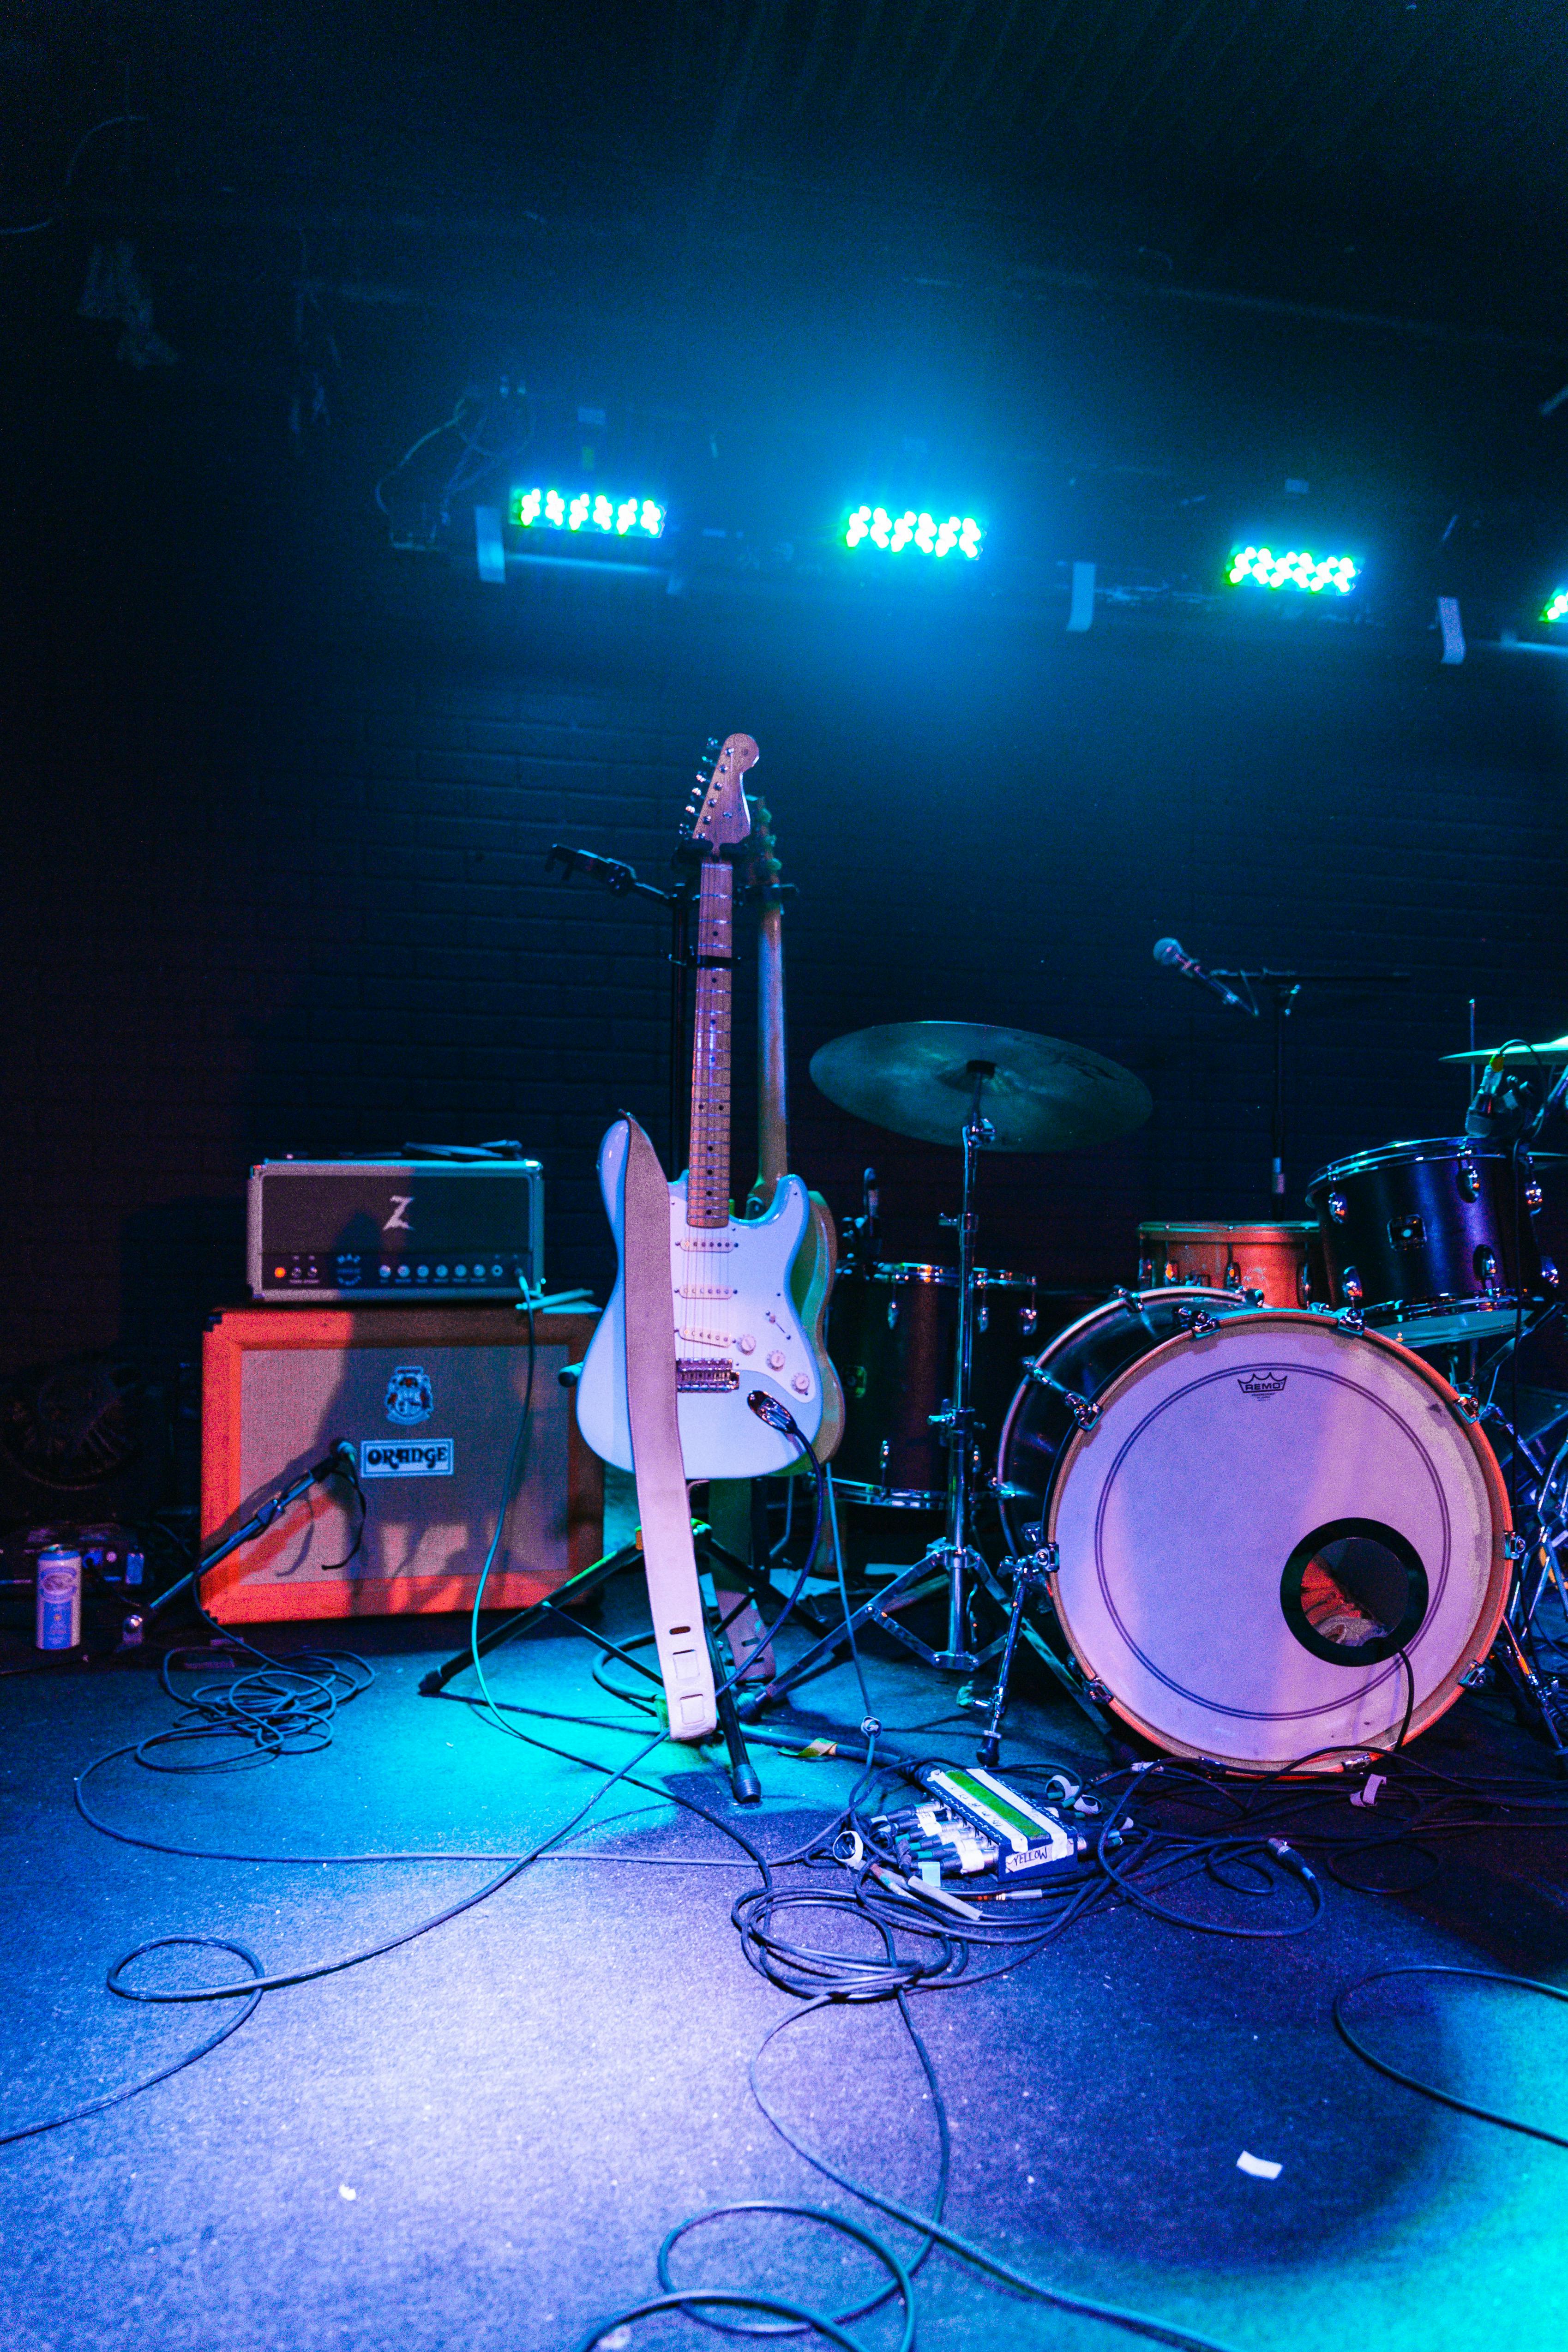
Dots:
pixel 1296 569
pixel 539 509
pixel 894 533
pixel 1557 610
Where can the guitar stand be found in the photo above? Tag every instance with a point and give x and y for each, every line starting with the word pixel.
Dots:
pixel 723 1567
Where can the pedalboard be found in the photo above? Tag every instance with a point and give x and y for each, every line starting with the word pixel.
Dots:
pixel 974 1824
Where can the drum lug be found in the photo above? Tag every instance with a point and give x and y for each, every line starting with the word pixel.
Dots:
pixel 1195 1323
pixel 1514 1547
pixel 1130 1300
pixel 1253 1298
pixel 1099 1692
pixel 1352 1320
pixel 1475 1674
pixel 1085 1413
pixel 1468 1406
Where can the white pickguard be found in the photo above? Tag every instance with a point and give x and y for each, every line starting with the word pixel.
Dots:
pixel 730 1296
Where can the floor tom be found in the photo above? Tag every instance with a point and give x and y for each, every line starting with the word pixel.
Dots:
pixel 893 1338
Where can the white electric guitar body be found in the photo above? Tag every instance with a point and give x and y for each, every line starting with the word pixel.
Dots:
pixel 735 1322
pixel 736 1330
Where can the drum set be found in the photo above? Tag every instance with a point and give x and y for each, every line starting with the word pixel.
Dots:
pixel 1256 1507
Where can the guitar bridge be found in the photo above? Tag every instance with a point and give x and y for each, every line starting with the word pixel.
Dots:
pixel 704 1375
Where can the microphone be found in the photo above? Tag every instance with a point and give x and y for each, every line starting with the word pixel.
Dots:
pixel 1171 952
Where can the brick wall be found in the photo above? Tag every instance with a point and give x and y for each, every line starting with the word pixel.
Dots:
pixel 284 892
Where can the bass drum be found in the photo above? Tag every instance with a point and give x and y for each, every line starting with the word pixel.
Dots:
pixel 1278 1542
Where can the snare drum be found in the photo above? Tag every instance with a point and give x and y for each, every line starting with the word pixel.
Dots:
pixel 1272 1538
pixel 1436 1242
pixel 1268 1259
pixel 892 1336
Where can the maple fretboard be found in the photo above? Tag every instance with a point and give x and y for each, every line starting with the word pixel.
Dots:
pixel 708 1183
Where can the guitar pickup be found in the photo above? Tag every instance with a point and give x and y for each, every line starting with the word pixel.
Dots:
pixel 703 1375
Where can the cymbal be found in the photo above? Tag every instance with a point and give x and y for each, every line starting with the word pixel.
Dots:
pixel 1554 1050
pixel 1040 1094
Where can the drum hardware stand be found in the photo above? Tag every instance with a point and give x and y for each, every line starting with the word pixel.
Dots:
pixel 951 1564
pixel 722 1567
pixel 1031 1569
pixel 1285 987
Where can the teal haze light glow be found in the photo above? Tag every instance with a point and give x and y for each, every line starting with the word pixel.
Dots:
pixel 874 527
pixel 586 510
pixel 1557 610
pixel 1296 569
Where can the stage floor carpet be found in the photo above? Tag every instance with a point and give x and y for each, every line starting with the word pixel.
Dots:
pixel 480 2138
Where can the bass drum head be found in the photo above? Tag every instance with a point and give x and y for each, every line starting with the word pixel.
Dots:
pixel 1261 1525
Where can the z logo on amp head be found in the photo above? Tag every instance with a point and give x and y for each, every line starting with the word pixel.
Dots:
pixel 398 1221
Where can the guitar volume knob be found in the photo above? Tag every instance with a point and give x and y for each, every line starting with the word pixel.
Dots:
pixel 776 1360
pixel 747 1344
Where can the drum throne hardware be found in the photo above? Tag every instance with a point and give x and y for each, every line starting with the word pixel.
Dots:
pixel 981 1088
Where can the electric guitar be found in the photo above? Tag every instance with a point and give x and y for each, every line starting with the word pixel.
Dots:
pixel 736 1326
pixel 819 1259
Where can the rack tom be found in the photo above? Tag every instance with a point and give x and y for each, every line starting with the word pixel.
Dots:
pixel 892 1336
pixel 1436 1243
pixel 1273 1261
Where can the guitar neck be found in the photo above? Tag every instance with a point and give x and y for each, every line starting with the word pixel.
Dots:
pixel 708 1182
pixel 772 1114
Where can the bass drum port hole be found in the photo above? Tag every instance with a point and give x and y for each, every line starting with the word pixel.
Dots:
pixel 1355 1591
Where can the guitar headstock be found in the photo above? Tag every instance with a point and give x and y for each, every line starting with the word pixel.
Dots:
pixel 717 815
pixel 768 874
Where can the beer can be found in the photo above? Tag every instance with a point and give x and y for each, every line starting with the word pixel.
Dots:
pixel 59 1625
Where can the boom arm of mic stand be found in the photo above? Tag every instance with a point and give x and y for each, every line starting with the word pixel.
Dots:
pixel 258 1524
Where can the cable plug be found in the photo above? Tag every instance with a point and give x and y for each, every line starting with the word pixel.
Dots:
pixel 1287 1856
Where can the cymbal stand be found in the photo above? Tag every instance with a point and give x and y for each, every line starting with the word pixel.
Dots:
pixel 952 1560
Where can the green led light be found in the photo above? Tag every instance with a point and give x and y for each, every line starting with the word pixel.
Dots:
pixel 894 533
pixel 1295 569
pixel 1558 608
pixel 586 510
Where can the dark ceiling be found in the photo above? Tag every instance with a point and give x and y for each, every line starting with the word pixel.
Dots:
pixel 1405 155
pixel 1323 239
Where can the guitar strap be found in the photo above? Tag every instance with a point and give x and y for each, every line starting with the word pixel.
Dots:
pixel 668 1559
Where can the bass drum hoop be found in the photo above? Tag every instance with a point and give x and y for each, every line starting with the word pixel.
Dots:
pixel 1428 1708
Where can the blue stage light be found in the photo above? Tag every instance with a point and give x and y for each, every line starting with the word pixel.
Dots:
pixel 586 510
pixel 894 533
pixel 1295 569
pixel 1557 610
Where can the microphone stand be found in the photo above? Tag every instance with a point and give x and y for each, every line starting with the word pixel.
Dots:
pixel 1284 988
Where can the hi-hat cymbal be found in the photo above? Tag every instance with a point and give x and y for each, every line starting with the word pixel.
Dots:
pixel 1554 1050
pixel 918 1078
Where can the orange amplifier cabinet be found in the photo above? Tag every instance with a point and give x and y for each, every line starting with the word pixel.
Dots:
pixel 429 1398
